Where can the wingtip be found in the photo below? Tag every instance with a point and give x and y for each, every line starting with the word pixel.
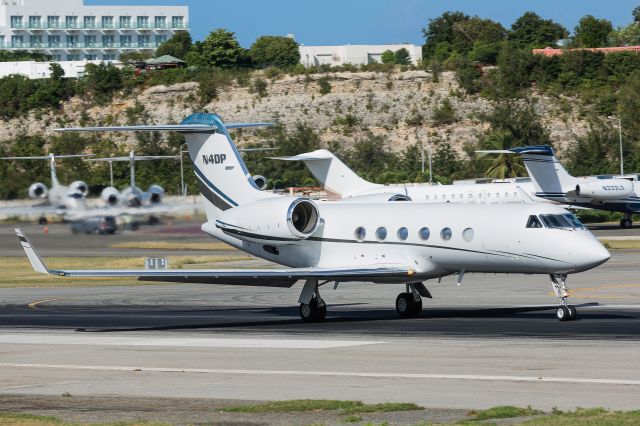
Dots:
pixel 36 261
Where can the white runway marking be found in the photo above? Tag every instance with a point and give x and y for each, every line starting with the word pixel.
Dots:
pixel 101 340
pixel 474 377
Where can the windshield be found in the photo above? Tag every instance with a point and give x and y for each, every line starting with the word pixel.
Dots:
pixel 566 221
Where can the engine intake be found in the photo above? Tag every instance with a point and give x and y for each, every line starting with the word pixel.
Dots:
pixel 278 220
pixel 38 191
pixel 260 181
pixel 605 189
pixel 110 195
pixel 156 193
pixel 79 187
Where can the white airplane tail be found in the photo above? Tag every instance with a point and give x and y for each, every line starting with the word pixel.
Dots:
pixel 550 179
pixel 222 176
pixel 332 173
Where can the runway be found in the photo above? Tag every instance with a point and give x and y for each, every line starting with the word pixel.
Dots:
pixel 494 340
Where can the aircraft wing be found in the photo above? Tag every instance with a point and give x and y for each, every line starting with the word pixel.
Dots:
pixel 246 277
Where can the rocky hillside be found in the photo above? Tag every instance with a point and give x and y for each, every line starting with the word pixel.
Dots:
pixel 398 106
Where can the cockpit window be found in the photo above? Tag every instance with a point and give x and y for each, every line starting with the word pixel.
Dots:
pixel 574 220
pixel 533 222
pixel 556 221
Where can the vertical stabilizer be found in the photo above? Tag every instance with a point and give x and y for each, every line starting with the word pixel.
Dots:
pixel 549 177
pixel 333 174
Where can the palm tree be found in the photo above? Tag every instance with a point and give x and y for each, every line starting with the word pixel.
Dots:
pixel 503 165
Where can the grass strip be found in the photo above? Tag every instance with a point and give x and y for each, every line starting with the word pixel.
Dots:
pixel 588 416
pixel 620 244
pixel 346 407
pixel 502 412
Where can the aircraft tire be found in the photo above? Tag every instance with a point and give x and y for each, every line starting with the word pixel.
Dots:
pixel 573 312
pixel 626 223
pixel 312 312
pixel 563 314
pixel 406 305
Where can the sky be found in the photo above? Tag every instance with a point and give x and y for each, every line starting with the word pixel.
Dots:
pixel 329 22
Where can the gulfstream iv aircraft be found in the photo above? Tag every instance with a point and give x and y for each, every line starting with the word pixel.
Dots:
pixel 337 178
pixel 552 182
pixel 384 242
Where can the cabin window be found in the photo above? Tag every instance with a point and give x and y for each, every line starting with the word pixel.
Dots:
pixel 424 233
pixel 403 233
pixel 446 234
pixel 534 222
pixel 468 234
pixel 381 233
pixel 360 233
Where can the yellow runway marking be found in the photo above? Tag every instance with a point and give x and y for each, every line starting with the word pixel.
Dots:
pixel 34 305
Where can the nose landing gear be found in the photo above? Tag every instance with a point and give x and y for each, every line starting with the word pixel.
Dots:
pixel 409 304
pixel 565 312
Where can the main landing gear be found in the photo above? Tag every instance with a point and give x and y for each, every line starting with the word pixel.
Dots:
pixel 409 303
pixel 312 307
pixel 565 312
pixel 627 221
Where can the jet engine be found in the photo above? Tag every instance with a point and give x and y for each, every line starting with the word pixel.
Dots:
pixel 79 187
pixel 38 191
pixel 110 195
pixel 156 193
pixel 260 181
pixel 605 189
pixel 280 220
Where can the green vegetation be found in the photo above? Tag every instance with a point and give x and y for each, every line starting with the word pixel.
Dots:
pixel 346 407
pixel 503 412
pixel 591 416
pixel 274 51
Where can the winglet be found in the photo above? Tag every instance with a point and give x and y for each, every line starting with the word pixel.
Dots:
pixel 36 261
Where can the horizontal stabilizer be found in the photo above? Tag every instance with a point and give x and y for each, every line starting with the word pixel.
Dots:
pixel 494 151
pixel 533 149
pixel 181 128
pixel 48 157
pixel 320 154
pixel 137 158
pixel 245 125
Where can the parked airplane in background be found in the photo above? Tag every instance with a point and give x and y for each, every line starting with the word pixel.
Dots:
pixel 60 199
pixel 337 178
pixel 132 196
pixel 551 181
pixel 383 242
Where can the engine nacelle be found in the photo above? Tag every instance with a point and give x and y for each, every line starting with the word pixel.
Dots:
pixel 38 191
pixel 279 220
pixel 377 198
pixel 156 193
pixel 79 187
pixel 605 189
pixel 260 181
pixel 110 195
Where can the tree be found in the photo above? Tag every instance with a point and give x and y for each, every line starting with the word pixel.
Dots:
pixel 132 57
pixel 503 165
pixel 177 46
pixel 221 49
pixel 102 81
pixel 636 14
pixel 402 57
pixel 530 31
pixel 274 51
pixel 592 32
pixel 388 57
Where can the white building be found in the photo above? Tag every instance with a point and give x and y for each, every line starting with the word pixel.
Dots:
pixel 36 70
pixel 355 54
pixel 67 30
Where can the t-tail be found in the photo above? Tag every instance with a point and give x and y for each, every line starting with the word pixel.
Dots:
pixel 222 176
pixel 550 179
pixel 332 173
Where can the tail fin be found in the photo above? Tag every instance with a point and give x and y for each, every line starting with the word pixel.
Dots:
pixel 222 176
pixel 549 177
pixel 332 173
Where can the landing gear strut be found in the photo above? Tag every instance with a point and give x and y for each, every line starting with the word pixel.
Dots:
pixel 409 304
pixel 627 221
pixel 565 312
pixel 312 307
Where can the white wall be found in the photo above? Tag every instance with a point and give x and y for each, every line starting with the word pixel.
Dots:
pixel 355 54
pixel 36 70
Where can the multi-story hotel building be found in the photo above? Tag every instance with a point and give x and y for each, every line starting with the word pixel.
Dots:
pixel 69 30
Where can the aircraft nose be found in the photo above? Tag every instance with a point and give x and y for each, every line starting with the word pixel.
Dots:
pixel 594 254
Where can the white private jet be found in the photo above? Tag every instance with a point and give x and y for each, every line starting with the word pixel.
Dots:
pixel 551 181
pixel 60 198
pixel 382 242
pixel 338 179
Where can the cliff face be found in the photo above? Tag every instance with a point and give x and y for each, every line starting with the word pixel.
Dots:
pixel 398 106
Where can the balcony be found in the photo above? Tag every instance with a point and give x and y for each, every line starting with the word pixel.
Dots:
pixel 78 46
pixel 98 26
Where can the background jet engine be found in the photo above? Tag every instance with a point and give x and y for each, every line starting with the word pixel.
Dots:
pixel 156 194
pixel 260 181
pixel 38 191
pixel 79 187
pixel 110 196
pixel 605 189
pixel 282 220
